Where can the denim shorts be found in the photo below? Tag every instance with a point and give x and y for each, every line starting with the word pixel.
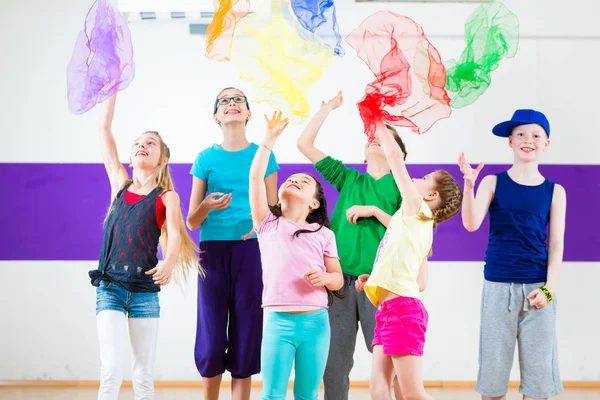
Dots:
pixel 110 296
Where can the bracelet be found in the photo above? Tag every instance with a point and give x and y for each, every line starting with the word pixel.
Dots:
pixel 547 293
pixel 266 147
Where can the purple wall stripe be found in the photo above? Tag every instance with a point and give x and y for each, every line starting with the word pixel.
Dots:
pixel 55 211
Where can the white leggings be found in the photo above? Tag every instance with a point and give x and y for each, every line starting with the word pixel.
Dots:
pixel 143 333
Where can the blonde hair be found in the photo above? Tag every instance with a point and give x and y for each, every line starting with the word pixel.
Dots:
pixel 189 253
pixel 188 258
pixel 450 195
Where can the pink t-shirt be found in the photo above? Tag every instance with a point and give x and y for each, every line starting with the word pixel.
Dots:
pixel 285 260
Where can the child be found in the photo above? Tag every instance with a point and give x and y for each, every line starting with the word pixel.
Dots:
pixel 400 273
pixel 229 324
pixel 144 208
pixel 522 262
pixel 359 220
pixel 300 268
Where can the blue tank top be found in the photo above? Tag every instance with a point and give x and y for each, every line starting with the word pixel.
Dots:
pixel 517 249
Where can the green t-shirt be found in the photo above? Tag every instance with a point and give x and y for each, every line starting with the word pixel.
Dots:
pixel 357 244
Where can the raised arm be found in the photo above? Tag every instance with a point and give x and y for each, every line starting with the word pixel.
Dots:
pixel 411 199
pixel 259 202
pixel 474 207
pixel 117 174
pixel 306 141
pixel 271 185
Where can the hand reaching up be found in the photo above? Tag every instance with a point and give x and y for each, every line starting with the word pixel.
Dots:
pixel 275 125
pixel 333 103
pixel 469 174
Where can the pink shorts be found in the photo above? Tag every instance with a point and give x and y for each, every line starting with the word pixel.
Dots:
pixel 400 326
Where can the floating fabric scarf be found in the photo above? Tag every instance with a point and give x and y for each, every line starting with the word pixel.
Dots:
pixel 102 60
pixel 491 33
pixel 318 16
pixel 219 34
pixel 410 78
pixel 280 58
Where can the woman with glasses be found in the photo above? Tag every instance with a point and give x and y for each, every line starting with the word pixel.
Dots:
pixel 230 317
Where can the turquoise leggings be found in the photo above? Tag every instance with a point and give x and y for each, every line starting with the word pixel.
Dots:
pixel 302 339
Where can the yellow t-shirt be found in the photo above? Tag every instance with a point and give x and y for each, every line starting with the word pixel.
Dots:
pixel 406 243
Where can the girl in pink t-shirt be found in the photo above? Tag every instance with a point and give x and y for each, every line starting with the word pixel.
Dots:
pixel 301 270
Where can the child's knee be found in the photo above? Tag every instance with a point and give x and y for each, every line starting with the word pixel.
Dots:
pixel 379 388
pixel 414 393
pixel 306 394
pixel 111 374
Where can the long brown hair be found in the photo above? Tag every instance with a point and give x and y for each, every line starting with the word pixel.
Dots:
pixel 316 216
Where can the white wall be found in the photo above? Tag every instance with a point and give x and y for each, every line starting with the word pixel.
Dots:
pixel 47 308
pixel 175 86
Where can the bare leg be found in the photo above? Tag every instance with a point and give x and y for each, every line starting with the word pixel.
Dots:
pixel 409 373
pixel 240 388
pixel 212 387
pixel 493 398
pixel 397 391
pixel 382 371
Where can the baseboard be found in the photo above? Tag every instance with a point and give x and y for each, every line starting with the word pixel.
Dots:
pixel 257 384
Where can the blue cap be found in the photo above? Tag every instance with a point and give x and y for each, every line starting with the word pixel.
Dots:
pixel 522 117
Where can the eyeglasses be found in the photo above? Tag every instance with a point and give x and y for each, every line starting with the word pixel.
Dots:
pixel 237 99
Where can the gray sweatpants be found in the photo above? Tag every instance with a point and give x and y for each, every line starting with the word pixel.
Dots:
pixel 344 316
pixel 507 318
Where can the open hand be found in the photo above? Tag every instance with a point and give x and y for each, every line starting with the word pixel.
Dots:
pixel 276 124
pixel 333 103
pixel 214 204
pixel 161 274
pixel 469 174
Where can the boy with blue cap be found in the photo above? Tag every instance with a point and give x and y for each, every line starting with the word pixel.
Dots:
pixel 522 262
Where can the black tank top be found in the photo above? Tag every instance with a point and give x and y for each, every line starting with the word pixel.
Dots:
pixel 130 244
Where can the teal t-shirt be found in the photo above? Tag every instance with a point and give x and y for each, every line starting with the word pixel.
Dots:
pixel 357 244
pixel 228 172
